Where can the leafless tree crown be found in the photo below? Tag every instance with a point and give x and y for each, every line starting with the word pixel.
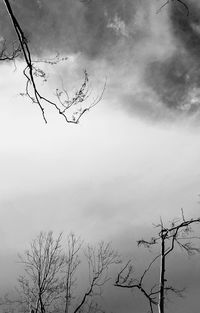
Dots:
pixel 178 234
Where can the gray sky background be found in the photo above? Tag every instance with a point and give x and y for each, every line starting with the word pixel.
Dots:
pixel 133 158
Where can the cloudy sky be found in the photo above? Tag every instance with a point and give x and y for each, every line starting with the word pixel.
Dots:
pixel 132 158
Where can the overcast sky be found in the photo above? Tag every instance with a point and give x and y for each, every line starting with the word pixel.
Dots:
pixel 133 158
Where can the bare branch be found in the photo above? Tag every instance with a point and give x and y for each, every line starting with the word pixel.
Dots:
pixel 31 72
pixel 170 1
pixel 147 244
pixel 125 280
pixel 99 261
pixel 9 52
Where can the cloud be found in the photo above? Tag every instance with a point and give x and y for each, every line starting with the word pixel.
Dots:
pixel 167 68
pixel 69 26
pixel 48 25
pixel 176 79
pixel 152 60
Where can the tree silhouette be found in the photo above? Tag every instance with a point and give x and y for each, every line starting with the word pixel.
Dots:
pixel 50 283
pixel 42 264
pixel 177 234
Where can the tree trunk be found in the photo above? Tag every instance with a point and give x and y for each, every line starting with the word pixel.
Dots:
pixel 42 308
pixel 67 301
pixel 161 303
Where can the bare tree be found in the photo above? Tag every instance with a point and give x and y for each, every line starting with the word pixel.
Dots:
pixel 50 283
pixel 177 234
pixel 100 259
pixel 71 264
pixel 75 105
pixel 42 263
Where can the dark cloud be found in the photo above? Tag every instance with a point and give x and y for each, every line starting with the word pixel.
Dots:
pixel 176 82
pixel 67 25
pixel 49 25
pixel 185 28
pixel 176 79
pixel 132 40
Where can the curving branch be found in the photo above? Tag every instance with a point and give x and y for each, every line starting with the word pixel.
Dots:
pixel 31 72
pixel 125 280
pixel 179 1
pixel 99 260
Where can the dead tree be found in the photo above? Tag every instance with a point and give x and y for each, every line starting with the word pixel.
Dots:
pixel 178 234
pixel 42 263
pixel 77 104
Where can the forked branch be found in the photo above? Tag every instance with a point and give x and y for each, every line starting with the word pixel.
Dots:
pixel 125 279
pixel 99 260
pixel 31 72
pixel 177 234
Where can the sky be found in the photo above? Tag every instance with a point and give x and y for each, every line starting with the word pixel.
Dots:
pixel 132 159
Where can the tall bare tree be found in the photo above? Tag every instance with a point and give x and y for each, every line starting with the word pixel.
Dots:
pixel 71 264
pixel 42 263
pixel 177 234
